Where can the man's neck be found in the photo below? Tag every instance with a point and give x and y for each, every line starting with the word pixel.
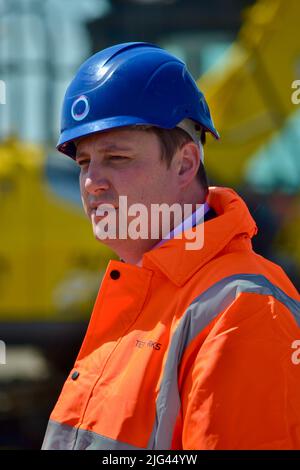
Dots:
pixel 132 251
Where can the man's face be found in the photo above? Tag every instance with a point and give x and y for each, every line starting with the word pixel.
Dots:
pixel 124 163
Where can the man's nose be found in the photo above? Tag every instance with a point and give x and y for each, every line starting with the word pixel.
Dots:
pixel 95 181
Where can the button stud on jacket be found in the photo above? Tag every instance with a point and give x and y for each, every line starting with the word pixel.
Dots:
pixel 75 375
pixel 115 274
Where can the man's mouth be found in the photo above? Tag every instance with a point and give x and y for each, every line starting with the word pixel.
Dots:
pixel 103 209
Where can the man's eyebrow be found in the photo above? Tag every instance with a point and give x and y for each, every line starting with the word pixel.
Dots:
pixel 114 148
pixel 105 149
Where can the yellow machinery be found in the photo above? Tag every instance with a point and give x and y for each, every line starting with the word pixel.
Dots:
pixel 250 93
pixel 50 264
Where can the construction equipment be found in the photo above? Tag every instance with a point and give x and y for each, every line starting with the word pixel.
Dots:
pixel 250 94
pixel 50 264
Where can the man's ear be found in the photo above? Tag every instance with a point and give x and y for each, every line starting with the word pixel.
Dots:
pixel 188 163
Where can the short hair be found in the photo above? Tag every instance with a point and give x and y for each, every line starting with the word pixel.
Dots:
pixel 173 139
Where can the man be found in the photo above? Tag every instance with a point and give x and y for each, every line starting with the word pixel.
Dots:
pixel 187 348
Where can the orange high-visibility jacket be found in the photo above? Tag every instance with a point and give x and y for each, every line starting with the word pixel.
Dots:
pixel 196 349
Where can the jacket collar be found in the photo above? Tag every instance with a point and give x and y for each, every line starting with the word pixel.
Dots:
pixel 232 229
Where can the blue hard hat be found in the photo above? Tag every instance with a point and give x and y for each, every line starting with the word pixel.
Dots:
pixel 130 84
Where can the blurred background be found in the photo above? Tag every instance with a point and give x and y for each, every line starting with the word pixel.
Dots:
pixel 245 55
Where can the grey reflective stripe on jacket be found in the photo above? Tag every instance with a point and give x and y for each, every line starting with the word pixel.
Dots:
pixel 63 437
pixel 197 316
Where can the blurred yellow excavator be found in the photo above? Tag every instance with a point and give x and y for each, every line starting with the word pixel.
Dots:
pixel 250 90
pixel 50 265
pixel 250 94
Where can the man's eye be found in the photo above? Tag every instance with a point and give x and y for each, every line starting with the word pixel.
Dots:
pixel 117 157
pixel 82 162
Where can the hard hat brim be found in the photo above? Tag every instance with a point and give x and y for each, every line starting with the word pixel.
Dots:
pixel 66 143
